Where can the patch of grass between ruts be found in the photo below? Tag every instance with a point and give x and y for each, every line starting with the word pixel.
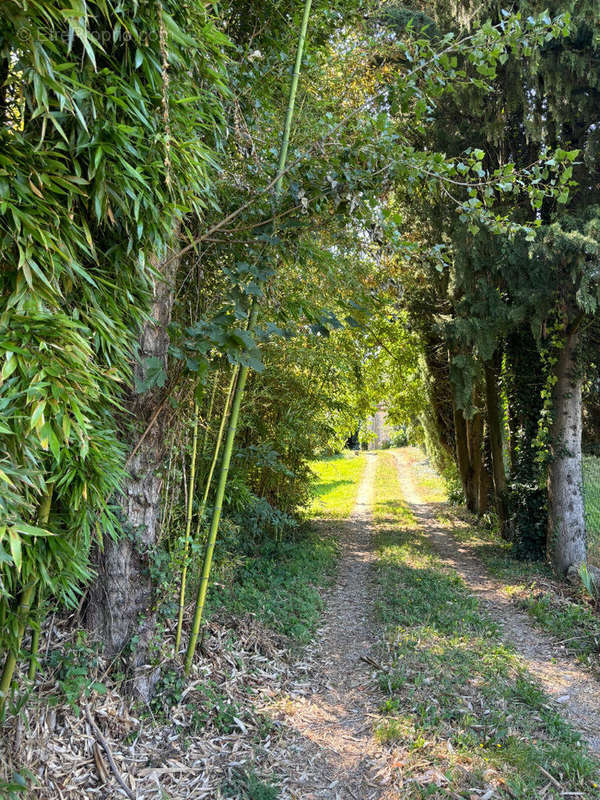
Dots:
pixel 461 709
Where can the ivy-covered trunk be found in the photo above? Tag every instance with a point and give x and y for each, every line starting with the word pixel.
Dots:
pixel 484 487
pixel 120 609
pixel 566 522
pixel 527 494
pixel 494 420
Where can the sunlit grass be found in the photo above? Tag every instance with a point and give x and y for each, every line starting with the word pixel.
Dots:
pixel 336 485
pixel 431 484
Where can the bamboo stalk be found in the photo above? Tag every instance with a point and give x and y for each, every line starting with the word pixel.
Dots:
pixel 23 611
pixel 216 516
pixel 184 477
pixel 11 658
pixel 188 527
pixel 35 639
pixel 211 405
pixel 287 128
pixel 215 457
pixel 167 487
pixel 243 371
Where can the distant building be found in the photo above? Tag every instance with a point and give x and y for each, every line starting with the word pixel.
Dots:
pixel 378 425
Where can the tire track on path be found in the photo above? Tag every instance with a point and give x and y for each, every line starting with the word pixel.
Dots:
pixel 327 749
pixel 575 690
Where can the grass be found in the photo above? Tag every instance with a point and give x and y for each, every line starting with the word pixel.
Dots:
pixel 575 625
pixel 278 583
pixel 591 491
pixel 248 786
pixel 464 714
pixel 336 486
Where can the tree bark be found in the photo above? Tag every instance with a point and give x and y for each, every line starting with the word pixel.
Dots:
pixel 122 598
pixel 484 483
pixel 566 520
pixel 494 420
pixel 463 460
pixel 474 440
pixel 462 450
pixel 439 392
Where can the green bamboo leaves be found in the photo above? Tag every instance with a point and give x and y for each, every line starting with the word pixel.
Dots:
pixel 84 203
pixel 22 615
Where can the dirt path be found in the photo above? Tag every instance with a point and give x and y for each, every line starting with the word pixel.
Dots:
pixel 577 692
pixel 328 749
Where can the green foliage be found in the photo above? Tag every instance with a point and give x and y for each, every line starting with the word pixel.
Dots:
pixel 275 581
pixel 73 667
pixel 249 786
pixel 106 144
pixel 400 438
pixel 591 493
pixel 524 381
pixel 260 521
pixel 588 581
pixel 209 704
pixel 18 785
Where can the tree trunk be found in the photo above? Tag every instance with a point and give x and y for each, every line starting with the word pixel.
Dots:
pixel 494 420
pixel 566 521
pixel 463 459
pixel 484 483
pixel 440 393
pixel 474 439
pixel 122 598
pixel 462 450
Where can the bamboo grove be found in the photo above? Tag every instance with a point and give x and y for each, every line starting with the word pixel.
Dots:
pixel 227 231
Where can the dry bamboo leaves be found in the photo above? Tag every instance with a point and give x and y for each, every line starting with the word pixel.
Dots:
pixel 111 750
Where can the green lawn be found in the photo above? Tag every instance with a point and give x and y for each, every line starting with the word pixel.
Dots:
pixel 466 716
pixel 336 486
pixel 591 491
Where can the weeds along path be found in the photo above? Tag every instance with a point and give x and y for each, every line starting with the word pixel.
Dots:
pixel 575 690
pixel 327 748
